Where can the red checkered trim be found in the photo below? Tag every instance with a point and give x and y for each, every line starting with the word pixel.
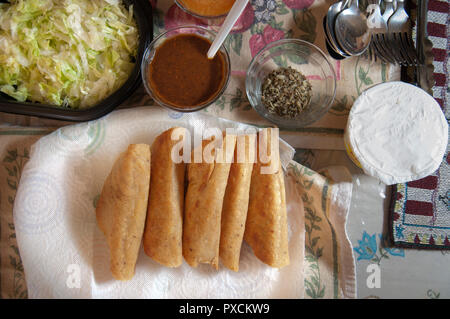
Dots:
pixel 418 218
pixel 438 31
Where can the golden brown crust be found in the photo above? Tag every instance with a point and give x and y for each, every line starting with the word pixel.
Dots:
pixel 164 224
pixel 203 207
pixel 122 207
pixel 266 226
pixel 235 204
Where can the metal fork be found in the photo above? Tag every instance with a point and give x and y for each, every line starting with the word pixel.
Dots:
pixel 389 9
pixel 399 37
pixel 378 28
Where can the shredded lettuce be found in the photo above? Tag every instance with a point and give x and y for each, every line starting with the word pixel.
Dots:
pixel 70 53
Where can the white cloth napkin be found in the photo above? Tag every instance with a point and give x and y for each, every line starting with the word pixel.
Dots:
pixel 64 253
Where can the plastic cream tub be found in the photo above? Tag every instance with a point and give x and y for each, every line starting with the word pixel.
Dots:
pixel 396 132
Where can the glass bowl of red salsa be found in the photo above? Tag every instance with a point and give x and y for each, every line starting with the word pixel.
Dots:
pixel 177 73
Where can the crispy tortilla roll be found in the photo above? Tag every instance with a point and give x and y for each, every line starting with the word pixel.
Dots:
pixel 235 204
pixel 164 225
pixel 122 208
pixel 207 182
pixel 266 226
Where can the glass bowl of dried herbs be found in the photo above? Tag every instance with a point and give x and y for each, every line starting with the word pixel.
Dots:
pixel 291 83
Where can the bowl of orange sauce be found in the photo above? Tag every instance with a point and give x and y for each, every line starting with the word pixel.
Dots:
pixel 177 73
pixel 206 9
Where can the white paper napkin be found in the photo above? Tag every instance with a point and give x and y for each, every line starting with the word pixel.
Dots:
pixel 64 253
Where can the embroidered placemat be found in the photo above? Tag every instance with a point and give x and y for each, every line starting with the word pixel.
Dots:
pixel 420 210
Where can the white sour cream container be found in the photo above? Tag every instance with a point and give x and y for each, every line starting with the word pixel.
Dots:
pixel 396 132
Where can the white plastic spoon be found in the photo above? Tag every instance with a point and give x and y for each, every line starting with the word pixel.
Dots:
pixel 229 22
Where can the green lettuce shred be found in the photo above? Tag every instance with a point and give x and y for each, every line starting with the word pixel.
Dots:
pixel 69 53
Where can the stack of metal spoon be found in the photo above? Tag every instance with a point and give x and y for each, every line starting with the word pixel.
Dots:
pixel 375 34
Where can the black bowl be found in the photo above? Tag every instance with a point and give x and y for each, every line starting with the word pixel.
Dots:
pixel 143 16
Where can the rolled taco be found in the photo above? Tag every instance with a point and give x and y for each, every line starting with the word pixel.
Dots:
pixel 266 227
pixel 235 205
pixel 122 206
pixel 207 182
pixel 164 224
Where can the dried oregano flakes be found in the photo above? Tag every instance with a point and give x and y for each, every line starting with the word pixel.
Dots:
pixel 286 92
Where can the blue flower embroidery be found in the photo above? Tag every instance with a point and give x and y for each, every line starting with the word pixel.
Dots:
pixel 392 251
pixel 367 247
